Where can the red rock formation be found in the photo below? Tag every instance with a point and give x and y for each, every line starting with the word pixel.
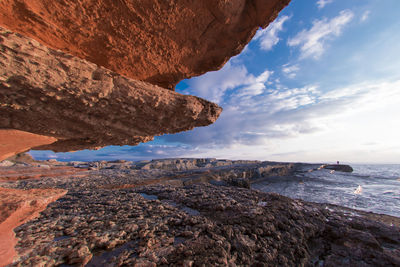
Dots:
pixel 63 95
pixel 17 207
pixel 13 141
pixel 68 97
pixel 48 92
pixel 158 41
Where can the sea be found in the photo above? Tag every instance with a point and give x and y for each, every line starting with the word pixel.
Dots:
pixel 374 188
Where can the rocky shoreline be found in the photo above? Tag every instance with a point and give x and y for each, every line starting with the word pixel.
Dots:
pixel 193 212
pixel 87 74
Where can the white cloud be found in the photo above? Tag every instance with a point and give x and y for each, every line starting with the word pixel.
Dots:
pixel 290 70
pixel 322 3
pixel 312 42
pixel 213 85
pixel 319 126
pixel 365 16
pixel 263 77
pixel 252 89
pixel 255 85
pixel 268 37
pixel 250 118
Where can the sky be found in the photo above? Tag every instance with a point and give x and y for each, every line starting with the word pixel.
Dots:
pixel 319 84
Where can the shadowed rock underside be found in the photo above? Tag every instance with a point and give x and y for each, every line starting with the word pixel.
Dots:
pixel 158 41
pixel 91 77
pixel 50 93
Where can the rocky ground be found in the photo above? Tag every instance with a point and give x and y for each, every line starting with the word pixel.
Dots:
pixel 19 206
pixel 195 213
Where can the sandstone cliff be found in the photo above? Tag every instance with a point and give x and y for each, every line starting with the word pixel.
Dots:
pixel 92 76
pixel 48 92
pixel 158 41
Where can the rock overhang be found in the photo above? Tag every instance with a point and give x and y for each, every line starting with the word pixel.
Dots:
pixel 91 74
pixel 158 41
pixel 51 93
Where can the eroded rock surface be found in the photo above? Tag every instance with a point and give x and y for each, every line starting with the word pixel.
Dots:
pixel 129 213
pixel 158 41
pixel 50 93
pixel 201 225
pixel 17 207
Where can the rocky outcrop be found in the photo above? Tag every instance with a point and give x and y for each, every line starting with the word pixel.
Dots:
pixel 338 167
pixel 158 41
pixel 50 93
pixel 17 207
pixel 14 141
pixel 184 164
pixel 93 77
pixel 23 158
pixel 177 171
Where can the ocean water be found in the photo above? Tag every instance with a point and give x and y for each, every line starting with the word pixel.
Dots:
pixel 374 188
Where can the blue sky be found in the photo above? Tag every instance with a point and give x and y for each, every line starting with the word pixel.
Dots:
pixel 320 84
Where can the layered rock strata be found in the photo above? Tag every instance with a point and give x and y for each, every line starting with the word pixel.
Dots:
pixel 158 41
pixel 84 97
pixel 50 93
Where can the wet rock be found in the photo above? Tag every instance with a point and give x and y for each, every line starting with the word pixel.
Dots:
pixel 240 182
pixel 339 167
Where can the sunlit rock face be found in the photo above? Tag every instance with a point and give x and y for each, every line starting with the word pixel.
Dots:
pixel 14 141
pixel 158 41
pixel 50 93
pixel 97 73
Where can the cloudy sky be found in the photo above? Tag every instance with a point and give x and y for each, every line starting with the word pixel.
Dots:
pixel 320 84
